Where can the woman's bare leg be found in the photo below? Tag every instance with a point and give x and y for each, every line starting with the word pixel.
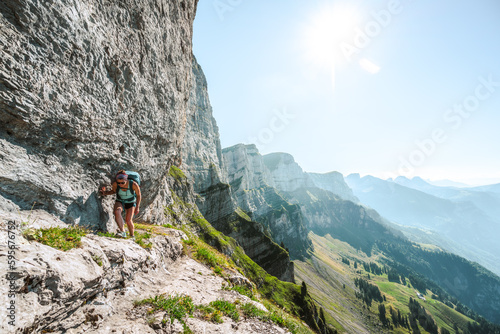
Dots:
pixel 128 218
pixel 118 215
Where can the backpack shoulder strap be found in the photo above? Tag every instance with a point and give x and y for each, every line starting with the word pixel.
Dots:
pixel 131 186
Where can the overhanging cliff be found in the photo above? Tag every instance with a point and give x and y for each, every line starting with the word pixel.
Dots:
pixel 86 88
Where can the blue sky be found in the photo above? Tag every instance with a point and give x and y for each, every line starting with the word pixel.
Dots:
pixel 385 88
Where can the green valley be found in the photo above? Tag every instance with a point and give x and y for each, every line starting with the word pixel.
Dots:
pixel 330 281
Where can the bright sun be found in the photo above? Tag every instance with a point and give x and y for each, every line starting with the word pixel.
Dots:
pixel 326 30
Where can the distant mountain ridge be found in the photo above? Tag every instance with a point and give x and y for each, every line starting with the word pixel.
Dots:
pixel 465 219
pixel 486 198
pixel 448 183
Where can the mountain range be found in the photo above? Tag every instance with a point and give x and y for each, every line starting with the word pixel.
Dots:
pixel 465 221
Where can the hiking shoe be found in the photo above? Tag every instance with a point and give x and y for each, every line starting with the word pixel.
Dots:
pixel 132 238
pixel 121 234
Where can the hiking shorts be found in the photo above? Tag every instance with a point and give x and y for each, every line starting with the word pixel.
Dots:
pixel 127 206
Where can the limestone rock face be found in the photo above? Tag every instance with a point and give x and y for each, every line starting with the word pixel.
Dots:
pixel 333 182
pixel 52 284
pixel 205 169
pixel 93 289
pixel 245 171
pixel 253 185
pixel 245 163
pixel 201 153
pixel 88 87
pixel 287 175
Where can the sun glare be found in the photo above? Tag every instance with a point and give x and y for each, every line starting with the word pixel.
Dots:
pixel 368 66
pixel 325 30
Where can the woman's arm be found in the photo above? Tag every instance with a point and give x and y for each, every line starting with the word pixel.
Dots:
pixel 137 190
pixel 105 192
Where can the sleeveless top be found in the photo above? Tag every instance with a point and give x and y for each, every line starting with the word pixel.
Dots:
pixel 126 195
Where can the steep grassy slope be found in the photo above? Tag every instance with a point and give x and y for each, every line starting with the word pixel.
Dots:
pixel 287 296
pixel 331 283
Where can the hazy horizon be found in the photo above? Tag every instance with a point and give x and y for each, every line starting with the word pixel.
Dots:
pixel 384 88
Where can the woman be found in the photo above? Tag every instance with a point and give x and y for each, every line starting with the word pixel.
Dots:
pixel 128 198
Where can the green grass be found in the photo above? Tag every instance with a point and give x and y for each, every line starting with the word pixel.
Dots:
pixel 97 260
pixel 399 295
pixel 176 173
pixel 189 242
pixel 227 308
pixel 107 234
pixel 207 256
pixel 209 313
pixel 251 311
pixel 60 238
pixel 145 227
pixel 242 214
pixel 140 237
pixel 243 290
pixel 218 270
pixel 175 307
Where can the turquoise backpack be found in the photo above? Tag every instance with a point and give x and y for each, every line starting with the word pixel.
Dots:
pixel 134 176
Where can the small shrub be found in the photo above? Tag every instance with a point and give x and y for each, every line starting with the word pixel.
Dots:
pixel 175 307
pixel 97 260
pixel 218 270
pixel 206 256
pixel 227 308
pixel 140 237
pixel 251 311
pixel 216 317
pixel 60 238
pixel 176 173
pixel 189 242
pixel 208 313
pixel 243 291
pixel 278 319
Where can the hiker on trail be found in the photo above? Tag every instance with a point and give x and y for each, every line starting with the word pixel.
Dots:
pixel 128 198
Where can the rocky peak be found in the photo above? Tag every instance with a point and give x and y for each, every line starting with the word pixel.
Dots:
pixel 255 189
pixel 335 183
pixel 246 168
pixel 286 174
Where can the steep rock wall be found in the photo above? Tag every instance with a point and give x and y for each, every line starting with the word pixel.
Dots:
pixel 205 171
pixel 201 153
pixel 86 88
pixel 287 175
pixel 252 183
